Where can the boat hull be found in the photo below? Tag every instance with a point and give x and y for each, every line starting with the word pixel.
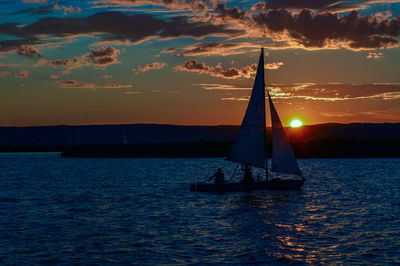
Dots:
pixel 274 184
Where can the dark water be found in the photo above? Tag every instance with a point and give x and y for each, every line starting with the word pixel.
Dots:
pixel 140 211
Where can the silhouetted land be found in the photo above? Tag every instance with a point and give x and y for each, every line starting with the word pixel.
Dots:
pixel 169 141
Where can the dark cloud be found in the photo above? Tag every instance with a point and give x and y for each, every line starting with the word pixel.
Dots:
pixel 49 9
pixel 152 66
pixel 179 27
pixel 28 51
pixel 104 56
pixel 70 64
pixel 116 26
pixel 231 14
pixel 38 10
pixel 320 5
pixel 35 1
pixel 213 49
pixel 101 57
pixel 10 45
pixel 217 71
pixel 179 5
pixel 318 30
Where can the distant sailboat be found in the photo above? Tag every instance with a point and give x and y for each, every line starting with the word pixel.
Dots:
pixel 249 146
pixel 124 139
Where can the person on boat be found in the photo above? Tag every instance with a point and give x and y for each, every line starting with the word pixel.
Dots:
pixel 248 176
pixel 219 176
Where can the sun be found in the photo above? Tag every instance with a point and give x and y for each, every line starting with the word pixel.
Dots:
pixel 296 123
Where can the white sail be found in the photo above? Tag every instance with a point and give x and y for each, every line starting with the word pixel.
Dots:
pixel 249 146
pixel 283 159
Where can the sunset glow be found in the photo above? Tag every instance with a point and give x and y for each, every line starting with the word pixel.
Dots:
pixel 296 123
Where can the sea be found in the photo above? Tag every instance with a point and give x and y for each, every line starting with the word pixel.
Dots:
pixel 66 211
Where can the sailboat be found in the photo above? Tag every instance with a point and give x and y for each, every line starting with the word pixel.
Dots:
pixel 124 138
pixel 249 146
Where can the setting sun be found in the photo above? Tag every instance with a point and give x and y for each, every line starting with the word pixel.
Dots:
pixel 296 123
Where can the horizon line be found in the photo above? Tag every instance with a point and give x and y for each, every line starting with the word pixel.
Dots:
pixel 185 125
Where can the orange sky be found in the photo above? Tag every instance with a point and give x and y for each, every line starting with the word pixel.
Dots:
pixel 193 62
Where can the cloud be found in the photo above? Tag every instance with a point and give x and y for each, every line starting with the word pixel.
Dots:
pixel 5 73
pixel 104 56
pixel 197 6
pixel 114 86
pixel 35 1
pixel 235 98
pixel 37 10
pixel 336 91
pixel 302 28
pixel 329 92
pixel 23 74
pixel 54 76
pixel 382 115
pixel 375 55
pixel 10 45
pixel 106 76
pixel 306 29
pixel 100 58
pixel 168 50
pixel 7 65
pixel 223 87
pixel 219 71
pixel 274 65
pixel 381 1
pixel 215 48
pixel 320 5
pixel 41 62
pixel 70 64
pixel 75 84
pixel 152 66
pixel 114 27
pixel 28 51
pixel 49 9
pixel 67 9
pixel 338 114
pixel 89 85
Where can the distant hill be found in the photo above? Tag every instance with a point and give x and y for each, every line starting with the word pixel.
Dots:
pixel 153 133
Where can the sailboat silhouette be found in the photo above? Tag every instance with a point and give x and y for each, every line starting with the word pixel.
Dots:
pixel 249 146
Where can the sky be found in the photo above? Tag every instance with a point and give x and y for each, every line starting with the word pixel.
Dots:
pixel 193 62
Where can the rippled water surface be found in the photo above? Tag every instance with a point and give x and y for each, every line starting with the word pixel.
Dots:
pixel 140 211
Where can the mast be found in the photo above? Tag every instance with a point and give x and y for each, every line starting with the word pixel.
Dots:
pixel 265 123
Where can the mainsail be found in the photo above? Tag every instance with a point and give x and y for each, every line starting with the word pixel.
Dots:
pixel 249 146
pixel 283 159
